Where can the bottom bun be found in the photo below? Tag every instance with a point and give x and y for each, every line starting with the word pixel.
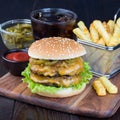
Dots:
pixel 66 92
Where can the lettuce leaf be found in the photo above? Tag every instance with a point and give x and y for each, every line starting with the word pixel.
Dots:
pixel 86 75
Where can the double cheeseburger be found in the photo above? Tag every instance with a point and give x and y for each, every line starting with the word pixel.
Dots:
pixel 56 68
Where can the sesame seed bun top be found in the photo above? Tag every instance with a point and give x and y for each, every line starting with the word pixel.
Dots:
pixel 56 48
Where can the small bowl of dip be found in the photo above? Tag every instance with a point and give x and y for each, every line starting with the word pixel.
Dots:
pixel 15 60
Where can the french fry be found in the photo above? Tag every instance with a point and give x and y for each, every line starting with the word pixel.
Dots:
pixel 104 33
pixel 106 26
pixel 94 33
pixel 83 27
pixel 114 41
pixel 99 88
pixel 118 22
pixel 110 87
pixel 79 34
pixel 111 25
pixel 101 41
pixel 101 30
pixel 116 31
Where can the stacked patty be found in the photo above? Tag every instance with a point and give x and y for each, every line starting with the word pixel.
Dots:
pixel 56 72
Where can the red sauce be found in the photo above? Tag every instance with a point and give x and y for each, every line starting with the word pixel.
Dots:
pixel 18 56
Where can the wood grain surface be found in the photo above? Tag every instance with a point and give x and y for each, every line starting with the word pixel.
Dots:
pixel 86 103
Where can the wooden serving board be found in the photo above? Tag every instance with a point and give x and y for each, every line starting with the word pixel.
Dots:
pixel 86 103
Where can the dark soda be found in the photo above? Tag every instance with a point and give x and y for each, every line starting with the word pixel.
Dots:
pixel 53 22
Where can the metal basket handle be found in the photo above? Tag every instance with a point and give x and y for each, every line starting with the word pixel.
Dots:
pixel 116 15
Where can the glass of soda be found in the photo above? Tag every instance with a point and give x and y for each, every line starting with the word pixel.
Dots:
pixel 53 22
